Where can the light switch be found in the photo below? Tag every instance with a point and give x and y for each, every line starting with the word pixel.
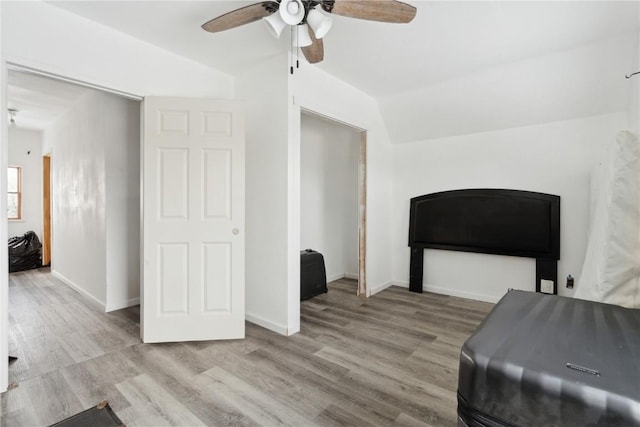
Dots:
pixel 546 286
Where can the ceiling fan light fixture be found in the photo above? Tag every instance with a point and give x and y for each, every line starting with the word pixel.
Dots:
pixel 12 116
pixel 321 24
pixel 302 39
pixel 275 24
pixel 291 11
pixel 316 13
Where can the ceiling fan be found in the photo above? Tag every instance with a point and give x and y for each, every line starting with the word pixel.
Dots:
pixel 311 25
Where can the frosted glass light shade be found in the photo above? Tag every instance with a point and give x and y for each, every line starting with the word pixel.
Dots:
pixel 320 23
pixel 291 11
pixel 302 39
pixel 275 24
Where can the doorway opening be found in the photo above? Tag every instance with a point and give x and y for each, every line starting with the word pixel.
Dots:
pixel 82 187
pixel 333 196
pixel 46 210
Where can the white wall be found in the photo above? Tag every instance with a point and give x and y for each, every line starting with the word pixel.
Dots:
pixel 264 88
pixel 4 266
pixel 273 104
pixel 25 150
pixel 555 158
pixel 634 88
pixel 121 141
pixel 78 238
pixel 45 37
pixel 329 194
pixel 562 85
pixel 319 92
pixel 95 198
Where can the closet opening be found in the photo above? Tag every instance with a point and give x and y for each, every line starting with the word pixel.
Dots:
pixel 333 197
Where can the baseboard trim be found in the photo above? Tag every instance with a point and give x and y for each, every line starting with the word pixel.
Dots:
pixel 335 277
pixel 267 324
pixel 342 276
pixel 123 304
pixel 78 289
pixel 379 288
pixel 293 329
pixel 452 292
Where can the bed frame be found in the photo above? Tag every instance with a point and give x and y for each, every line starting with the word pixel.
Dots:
pixel 492 221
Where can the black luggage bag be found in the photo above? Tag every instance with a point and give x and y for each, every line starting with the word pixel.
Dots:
pixel 313 277
pixel 545 360
pixel 25 252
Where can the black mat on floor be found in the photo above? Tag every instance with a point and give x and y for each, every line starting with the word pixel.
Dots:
pixel 99 416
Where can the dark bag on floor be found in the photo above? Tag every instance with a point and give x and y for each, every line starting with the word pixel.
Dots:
pixel 313 277
pixel 25 252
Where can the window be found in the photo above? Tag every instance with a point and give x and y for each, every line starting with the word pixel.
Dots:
pixel 14 192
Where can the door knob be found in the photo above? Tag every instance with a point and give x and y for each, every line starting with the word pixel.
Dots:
pixel 235 231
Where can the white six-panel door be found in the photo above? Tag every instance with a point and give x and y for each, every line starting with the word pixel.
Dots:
pixel 193 220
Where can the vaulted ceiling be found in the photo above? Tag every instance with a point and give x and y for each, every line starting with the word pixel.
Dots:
pixel 445 47
pixel 445 40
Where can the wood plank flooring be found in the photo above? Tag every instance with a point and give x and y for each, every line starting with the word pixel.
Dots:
pixel 391 359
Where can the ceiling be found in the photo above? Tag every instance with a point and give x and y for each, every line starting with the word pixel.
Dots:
pixel 39 100
pixel 447 40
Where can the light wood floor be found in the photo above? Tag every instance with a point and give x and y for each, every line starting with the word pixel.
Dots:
pixel 389 360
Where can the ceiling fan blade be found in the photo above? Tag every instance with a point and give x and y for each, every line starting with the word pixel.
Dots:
pixel 238 17
pixel 372 10
pixel 315 52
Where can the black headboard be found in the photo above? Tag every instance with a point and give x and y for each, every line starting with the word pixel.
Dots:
pixel 493 221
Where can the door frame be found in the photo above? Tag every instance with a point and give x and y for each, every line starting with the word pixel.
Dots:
pixel 362 196
pixel 46 209
pixel 5 66
pixel 296 110
pixel 4 231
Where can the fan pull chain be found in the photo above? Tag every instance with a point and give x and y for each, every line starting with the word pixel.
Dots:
pixel 291 58
pixel 295 42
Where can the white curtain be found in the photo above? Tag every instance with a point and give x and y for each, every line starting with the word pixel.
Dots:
pixel 611 270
